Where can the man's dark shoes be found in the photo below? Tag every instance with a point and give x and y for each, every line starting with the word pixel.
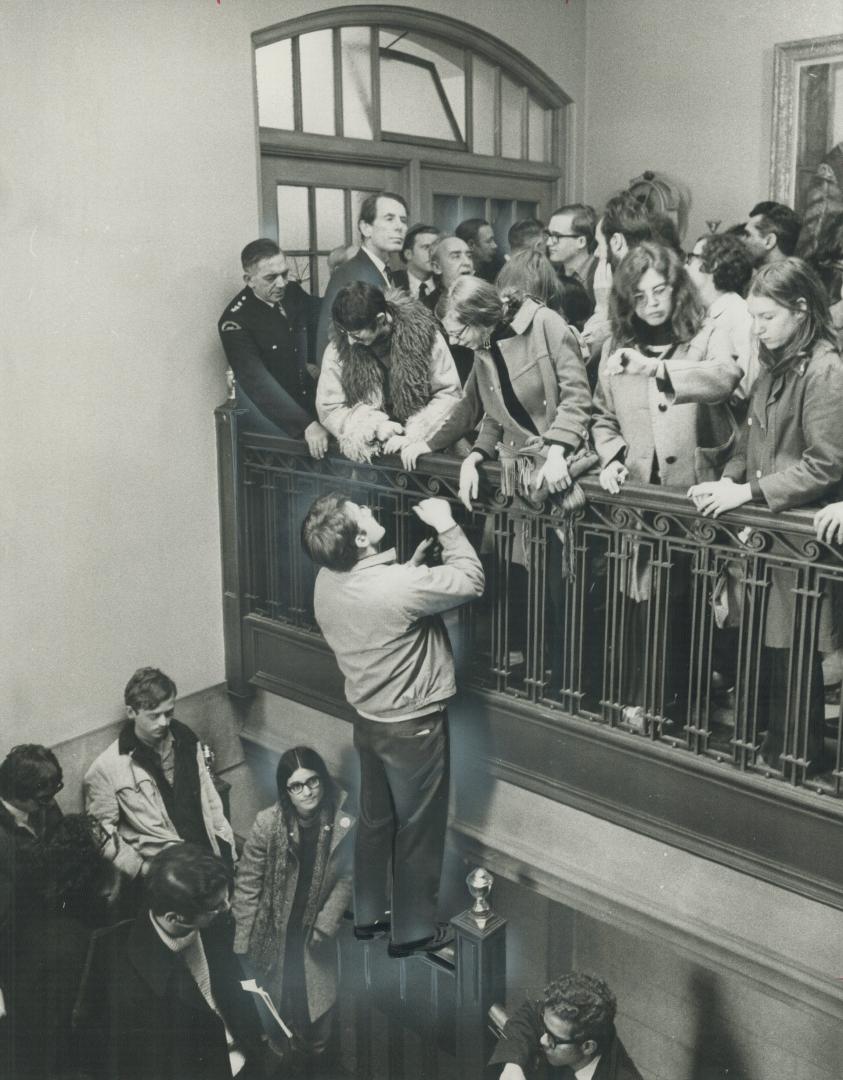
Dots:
pixel 370 931
pixel 443 937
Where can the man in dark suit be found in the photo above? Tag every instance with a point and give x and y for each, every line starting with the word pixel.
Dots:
pixel 569 1033
pixel 162 998
pixel 266 332
pixel 383 226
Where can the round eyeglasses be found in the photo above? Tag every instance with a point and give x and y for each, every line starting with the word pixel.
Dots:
pixel 297 788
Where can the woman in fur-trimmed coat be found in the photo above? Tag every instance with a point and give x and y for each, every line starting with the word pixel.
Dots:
pixel 387 377
pixel 293 885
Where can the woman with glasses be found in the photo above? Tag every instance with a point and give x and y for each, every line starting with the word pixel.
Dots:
pixel 293 885
pixel 660 418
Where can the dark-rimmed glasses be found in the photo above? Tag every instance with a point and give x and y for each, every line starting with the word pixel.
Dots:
pixel 296 788
pixel 554 1041
pixel 555 237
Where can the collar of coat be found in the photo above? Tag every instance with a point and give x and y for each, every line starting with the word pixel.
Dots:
pixel 128 742
pixel 525 314
pixel 412 336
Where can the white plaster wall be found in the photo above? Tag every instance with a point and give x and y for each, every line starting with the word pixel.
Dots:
pixel 685 87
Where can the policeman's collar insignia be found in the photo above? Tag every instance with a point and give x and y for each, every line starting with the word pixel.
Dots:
pixel 230 326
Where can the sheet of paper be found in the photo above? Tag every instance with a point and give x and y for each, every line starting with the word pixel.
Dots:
pixel 253 988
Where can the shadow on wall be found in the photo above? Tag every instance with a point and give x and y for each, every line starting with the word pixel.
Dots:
pixel 716 1052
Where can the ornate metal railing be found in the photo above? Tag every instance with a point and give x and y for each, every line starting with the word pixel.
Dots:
pixel 638 627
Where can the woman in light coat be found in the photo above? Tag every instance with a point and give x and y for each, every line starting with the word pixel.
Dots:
pixel 660 417
pixel 292 887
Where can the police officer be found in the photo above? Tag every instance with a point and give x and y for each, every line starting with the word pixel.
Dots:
pixel 264 332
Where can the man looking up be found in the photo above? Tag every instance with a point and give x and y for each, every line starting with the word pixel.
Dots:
pixel 570 1029
pixel 152 782
pixel 388 375
pixel 382 223
pixel 572 243
pixel 266 332
pixel 418 247
pixel 480 237
pixel 383 620
pixel 162 998
pixel 772 232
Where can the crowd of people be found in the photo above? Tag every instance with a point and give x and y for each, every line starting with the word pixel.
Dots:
pixel 134 937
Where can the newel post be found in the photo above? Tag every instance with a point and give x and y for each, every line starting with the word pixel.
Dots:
pixel 481 974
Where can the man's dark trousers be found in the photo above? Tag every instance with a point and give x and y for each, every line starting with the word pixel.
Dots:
pixel 404 773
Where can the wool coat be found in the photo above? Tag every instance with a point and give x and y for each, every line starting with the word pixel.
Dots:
pixel 791 452
pixel 545 368
pixel 638 422
pixel 252 892
pixel 417 384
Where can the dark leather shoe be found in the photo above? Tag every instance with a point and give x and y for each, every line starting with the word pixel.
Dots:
pixel 443 937
pixel 370 931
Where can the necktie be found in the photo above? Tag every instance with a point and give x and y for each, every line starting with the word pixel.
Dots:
pixel 390 280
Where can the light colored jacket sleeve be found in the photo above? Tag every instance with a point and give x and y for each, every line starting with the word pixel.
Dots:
pixel 445 393
pixel 433 589
pixel 706 371
pixel 573 411
pixel 605 429
pixel 249 881
pixel 101 802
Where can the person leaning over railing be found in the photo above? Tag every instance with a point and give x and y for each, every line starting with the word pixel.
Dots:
pixel 790 455
pixel 387 375
pixel 660 418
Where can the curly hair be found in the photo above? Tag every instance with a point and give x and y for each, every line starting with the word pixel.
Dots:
pixel 687 313
pixel 727 258
pixel 586 1003
pixel 788 281
pixel 26 770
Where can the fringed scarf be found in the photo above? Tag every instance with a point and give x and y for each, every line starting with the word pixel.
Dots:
pixel 404 383
pixel 270 925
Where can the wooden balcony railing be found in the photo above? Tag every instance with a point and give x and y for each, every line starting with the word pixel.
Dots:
pixel 596 669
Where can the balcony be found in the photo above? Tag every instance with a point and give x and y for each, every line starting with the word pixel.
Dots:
pixel 546 659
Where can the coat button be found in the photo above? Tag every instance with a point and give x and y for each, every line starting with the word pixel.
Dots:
pixel 671 460
pixel 662 407
pixel 544 402
pixel 757 474
pixel 275 346
pixel 749 421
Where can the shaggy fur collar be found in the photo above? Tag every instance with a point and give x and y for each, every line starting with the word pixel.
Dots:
pixel 405 388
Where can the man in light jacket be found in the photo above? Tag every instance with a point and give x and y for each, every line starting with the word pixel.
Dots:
pixel 383 620
pixel 152 782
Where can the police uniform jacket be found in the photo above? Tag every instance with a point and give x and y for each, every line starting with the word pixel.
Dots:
pixel 268 353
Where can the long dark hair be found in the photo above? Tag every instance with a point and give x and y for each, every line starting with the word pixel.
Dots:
pixel 687 314
pixel 786 282
pixel 304 757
